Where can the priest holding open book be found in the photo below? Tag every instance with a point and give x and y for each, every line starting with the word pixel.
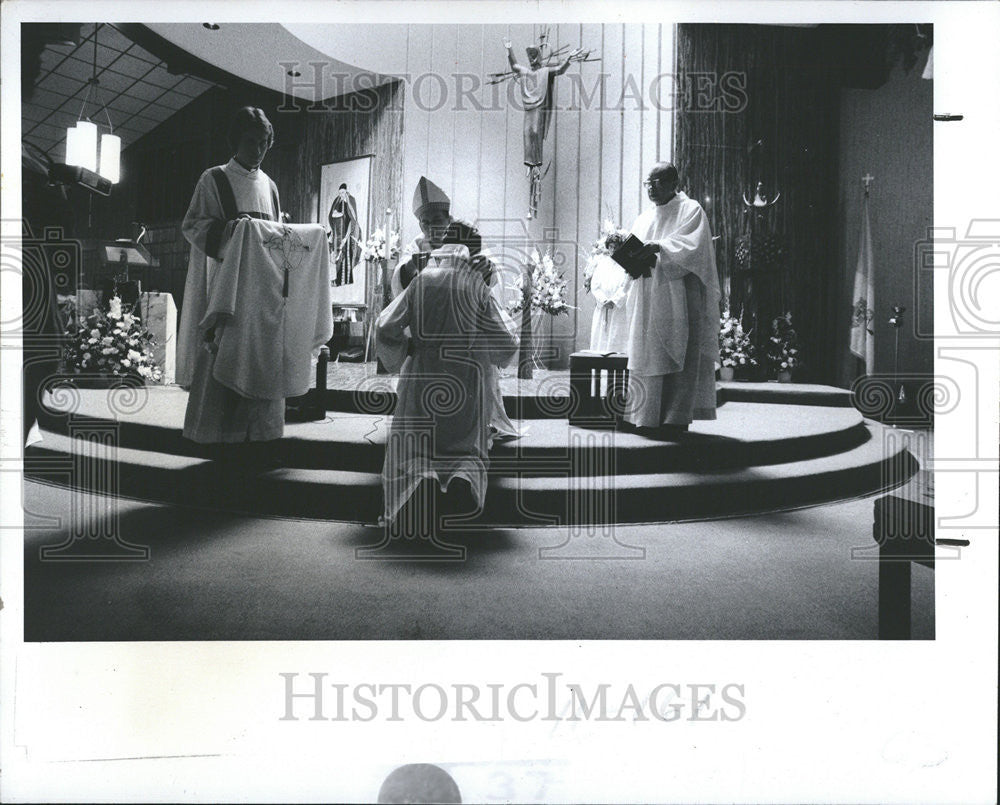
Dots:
pixel 673 311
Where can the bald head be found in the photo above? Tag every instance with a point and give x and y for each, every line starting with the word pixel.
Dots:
pixel 661 182
pixel 664 171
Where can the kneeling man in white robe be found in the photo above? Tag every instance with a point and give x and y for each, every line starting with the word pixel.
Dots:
pixel 673 314
pixel 432 209
pixel 442 334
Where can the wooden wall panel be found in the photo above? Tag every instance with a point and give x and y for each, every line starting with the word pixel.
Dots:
pixel 492 126
pixel 589 212
pixel 649 122
pixel 438 98
pixel 466 88
pixel 416 126
pixel 611 121
pixel 632 99
pixel 564 194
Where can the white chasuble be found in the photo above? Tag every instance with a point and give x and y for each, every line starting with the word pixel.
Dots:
pixel 270 304
pixel 673 319
pixel 442 334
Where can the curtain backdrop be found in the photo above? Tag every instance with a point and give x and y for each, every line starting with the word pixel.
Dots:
pixel 780 129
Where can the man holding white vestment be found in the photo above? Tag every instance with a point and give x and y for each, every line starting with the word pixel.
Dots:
pixel 256 304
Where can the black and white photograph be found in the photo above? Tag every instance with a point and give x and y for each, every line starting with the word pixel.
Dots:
pixel 539 379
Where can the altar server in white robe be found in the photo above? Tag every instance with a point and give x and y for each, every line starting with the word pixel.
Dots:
pixel 673 315
pixel 224 194
pixel 442 334
pixel 432 209
pixel 609 286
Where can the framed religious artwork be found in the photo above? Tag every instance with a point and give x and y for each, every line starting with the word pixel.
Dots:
pixel 344 205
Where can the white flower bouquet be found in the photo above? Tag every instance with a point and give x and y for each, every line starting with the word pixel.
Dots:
pixel 381 247
pixel 735 347
pixel 111 343
pixel 548 287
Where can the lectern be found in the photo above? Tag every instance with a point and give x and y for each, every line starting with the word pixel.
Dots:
pixel 119 258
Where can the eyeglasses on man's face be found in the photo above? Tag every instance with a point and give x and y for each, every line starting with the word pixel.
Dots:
pixel 653 183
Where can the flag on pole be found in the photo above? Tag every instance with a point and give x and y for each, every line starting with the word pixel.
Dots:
pixel 862 324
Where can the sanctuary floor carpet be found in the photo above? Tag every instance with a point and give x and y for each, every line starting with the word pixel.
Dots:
pixel 217 576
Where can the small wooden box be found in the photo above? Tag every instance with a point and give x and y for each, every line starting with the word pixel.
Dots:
pixel 598 385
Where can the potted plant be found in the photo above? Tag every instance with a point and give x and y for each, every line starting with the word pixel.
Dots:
pixel 783 348
pixel 735 348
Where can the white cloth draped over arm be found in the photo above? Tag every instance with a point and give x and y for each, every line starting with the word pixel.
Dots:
pixel 392 338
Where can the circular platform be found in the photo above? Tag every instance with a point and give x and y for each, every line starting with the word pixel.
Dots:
pixel 757 456
pixel 358 388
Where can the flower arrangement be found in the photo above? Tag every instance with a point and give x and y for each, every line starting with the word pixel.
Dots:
pixel 735 346
pixel 111 343
pixel 548 288
pixel 379 247
pixel 612 236
pixel 783 345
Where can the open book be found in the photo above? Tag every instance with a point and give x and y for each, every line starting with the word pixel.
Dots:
pixel 627 257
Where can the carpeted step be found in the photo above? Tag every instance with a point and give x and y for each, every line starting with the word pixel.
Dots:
pixel 785 394
pixel 744 435
pixel 358 388
pixel 512 501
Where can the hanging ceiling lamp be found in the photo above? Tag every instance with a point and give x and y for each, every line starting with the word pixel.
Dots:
pixel 82 140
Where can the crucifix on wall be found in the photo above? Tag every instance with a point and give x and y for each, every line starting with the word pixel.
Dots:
pixel 537 81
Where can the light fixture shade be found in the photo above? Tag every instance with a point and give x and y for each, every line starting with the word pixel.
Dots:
pixel 111 150
pixel 74 147
pixel 88 144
